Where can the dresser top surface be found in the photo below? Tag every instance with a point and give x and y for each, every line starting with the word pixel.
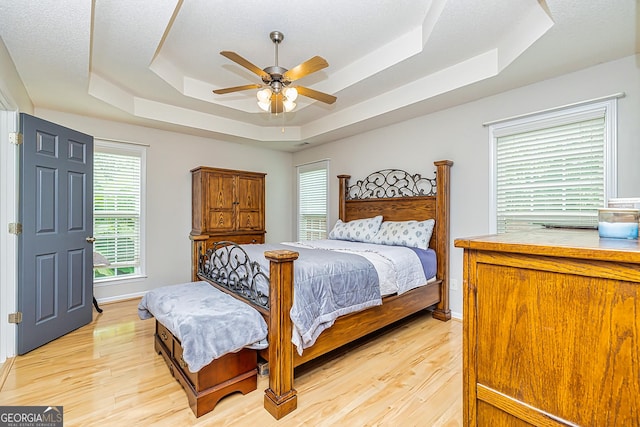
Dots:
pixel 559 243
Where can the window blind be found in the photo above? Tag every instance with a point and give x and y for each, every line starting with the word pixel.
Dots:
pixel 117 212
pixel 551 175
pixel 312 201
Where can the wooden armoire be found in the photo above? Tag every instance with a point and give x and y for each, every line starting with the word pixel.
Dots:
pixel 225 205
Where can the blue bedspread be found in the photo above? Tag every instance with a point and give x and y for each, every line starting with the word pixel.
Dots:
pixel 327 284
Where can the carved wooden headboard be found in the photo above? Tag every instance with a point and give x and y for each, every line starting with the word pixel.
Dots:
pixel 400 196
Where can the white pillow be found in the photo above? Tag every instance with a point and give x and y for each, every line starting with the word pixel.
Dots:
pixel 358 230
pixel 416 234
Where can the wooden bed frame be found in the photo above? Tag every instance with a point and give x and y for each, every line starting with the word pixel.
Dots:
pixel 281 398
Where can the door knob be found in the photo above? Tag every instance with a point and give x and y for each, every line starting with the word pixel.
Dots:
pixel 91 239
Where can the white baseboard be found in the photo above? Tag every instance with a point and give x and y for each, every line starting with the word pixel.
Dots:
pixel 118 298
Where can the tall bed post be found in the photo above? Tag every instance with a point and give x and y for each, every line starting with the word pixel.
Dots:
pixel 443 167
pixel 280 398
pixel 198 248
pixel 342 205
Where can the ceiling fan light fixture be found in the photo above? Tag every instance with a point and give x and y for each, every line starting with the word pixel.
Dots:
pixel 264 99
pixel 264 95
pixel 288 105
pixel 291 94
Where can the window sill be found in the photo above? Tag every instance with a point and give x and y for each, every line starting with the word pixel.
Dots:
pixel 119 280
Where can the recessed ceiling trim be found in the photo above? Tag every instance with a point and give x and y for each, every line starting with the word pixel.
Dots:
pixel 398 50
pixel 480 67
pixel 150 68
pixel 165 69
pixel 388 55
pixel 523 35
pixel 176 9
pixel 145 108
pixel 431 18
pixel 196 119
pixel 473 70
pixel 411 43
pixel 112 94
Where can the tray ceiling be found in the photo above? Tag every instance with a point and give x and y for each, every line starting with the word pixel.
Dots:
pixel 156 63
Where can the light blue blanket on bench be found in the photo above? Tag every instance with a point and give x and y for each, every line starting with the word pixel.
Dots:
pixel 208 322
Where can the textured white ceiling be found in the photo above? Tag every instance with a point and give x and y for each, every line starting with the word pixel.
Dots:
pixel 156 62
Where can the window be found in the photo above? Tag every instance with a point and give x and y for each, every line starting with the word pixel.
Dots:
pixel 118 189
pixel 312 200
pixel 553 169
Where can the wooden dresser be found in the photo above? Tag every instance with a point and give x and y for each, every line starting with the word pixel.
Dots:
pixel 226 205
pixel 551 329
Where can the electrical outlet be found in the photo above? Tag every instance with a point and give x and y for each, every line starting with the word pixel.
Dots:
pixel 453 284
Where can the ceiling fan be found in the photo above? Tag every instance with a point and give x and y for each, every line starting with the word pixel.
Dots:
pixel 277 94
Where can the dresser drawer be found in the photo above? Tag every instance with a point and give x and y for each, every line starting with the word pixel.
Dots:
pixel 240 239
pixel 165 337
pixel 245 238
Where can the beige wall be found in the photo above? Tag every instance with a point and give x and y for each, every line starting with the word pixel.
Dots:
pixel 170 157
pixel 458 134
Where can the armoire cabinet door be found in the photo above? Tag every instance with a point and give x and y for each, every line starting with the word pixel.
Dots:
pixel 221 202
pixel 250 203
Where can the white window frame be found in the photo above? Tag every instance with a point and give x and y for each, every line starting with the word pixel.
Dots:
pixel 557 117
pixel 308 167
pixel 130 149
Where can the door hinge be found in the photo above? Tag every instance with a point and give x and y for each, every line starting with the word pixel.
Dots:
pixel 15 228
pixel 15 317
pixel 15 138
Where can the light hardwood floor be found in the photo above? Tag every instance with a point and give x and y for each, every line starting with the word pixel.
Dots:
pixel 107 374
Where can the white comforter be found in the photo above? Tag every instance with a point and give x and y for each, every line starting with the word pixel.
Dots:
pixel 399 269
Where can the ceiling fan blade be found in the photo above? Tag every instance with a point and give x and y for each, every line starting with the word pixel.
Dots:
pixel 309 66
pixel 246 64
pixel 236 89
pixel 320 96
pixel 276 104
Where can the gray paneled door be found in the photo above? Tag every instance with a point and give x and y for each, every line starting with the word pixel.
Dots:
pixel 55 250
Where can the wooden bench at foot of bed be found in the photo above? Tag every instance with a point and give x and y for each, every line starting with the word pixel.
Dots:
pixel 230 373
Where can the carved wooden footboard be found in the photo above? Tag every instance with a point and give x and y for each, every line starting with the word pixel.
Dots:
pixel 397 196
pixel 227 267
